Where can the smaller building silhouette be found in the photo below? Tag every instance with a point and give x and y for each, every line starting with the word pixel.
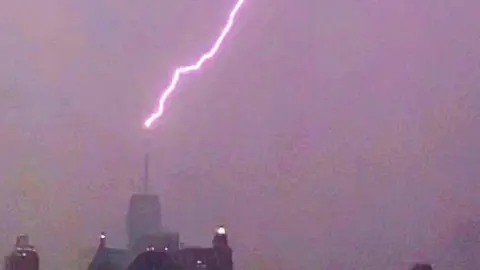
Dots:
pixel 422 266
pixel 23 257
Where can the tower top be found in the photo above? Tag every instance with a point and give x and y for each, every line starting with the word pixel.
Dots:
pixel 221 230
pixel 22 240
pixel 220 238
pixel 103 240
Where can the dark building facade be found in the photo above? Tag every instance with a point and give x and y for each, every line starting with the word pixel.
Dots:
pixel 217 257
pixel 422 266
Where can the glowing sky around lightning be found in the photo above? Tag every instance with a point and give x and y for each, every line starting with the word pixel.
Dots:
pixel 183 70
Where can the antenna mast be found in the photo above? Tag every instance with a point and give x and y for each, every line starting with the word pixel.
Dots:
pixel 145 177
pixel 146 172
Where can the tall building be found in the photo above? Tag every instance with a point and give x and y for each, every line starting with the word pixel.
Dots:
pixel 144 213
pixel 143 217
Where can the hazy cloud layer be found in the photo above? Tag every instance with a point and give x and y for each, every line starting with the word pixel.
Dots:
pixel 326 133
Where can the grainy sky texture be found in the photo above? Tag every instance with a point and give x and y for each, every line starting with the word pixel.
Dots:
pixel 325 133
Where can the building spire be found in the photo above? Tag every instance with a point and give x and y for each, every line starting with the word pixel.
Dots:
pixel 146 172
pixel 146 175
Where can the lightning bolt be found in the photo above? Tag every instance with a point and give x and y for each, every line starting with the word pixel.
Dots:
pixel 184 70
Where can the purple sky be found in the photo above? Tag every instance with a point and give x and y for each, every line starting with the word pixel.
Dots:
pixel 325 133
